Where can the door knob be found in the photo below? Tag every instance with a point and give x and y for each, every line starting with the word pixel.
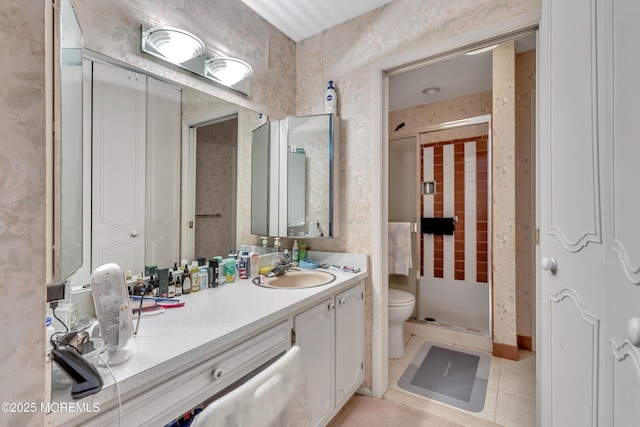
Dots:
pixel 549 263
pixel 134 233
pixel 633 331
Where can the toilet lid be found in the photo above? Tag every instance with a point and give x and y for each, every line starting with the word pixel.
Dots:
pixel 398 297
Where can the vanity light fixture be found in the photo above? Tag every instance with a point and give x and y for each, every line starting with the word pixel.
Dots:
pixel 173 44
pixel 188 52
pixel 227 71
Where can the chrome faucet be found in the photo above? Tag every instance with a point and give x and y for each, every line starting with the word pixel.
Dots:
pixel 281 268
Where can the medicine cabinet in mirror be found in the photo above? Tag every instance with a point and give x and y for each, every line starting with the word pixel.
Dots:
pixel 309 183
pixel 265 145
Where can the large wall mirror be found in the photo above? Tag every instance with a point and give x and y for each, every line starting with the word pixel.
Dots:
pixel 166 189
pixel 67 142
pixel 309 194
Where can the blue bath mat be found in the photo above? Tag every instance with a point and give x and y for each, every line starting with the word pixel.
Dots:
pixel 451 375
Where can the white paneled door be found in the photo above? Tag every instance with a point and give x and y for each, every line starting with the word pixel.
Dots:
pixel 589 295
pixel 118 195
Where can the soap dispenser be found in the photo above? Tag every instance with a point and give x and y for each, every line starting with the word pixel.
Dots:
pixel 265 244
pixel 276 245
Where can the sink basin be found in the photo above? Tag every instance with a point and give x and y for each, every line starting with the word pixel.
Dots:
pixel 299 279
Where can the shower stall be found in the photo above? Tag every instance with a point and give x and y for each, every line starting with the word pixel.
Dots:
pixel 439 182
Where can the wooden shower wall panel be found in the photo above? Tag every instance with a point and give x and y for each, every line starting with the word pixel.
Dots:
pixel 438 210
pixel 460 170
pixel 482 212
pixel 459 200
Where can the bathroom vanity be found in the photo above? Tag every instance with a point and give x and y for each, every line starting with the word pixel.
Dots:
pixel 187 355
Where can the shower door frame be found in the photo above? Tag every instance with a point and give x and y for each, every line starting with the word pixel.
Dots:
pixel 486 118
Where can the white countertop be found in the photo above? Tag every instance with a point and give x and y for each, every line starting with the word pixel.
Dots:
pixel 210 321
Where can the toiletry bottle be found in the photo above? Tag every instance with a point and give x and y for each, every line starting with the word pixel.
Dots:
pixel 186 280
pixel 265 244
pixel 172 287
pixel 244 265
pixel 139 287
pixel 222 277
pixel 331 100
pixel 276 244
pixel 204 276
pixel 254 263
pixel 49 331
pixel 295 254
pixel 230 269
pixel 303 250
pixel 195 276
pixel 212 272
pixel 177 280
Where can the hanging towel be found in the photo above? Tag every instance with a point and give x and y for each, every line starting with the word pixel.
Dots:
pixel 400 248
pixel 438 226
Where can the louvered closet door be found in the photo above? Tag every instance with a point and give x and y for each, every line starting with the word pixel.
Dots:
pixel 118 194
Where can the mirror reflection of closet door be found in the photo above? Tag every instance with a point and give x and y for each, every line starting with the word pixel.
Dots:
pixel 118 195
pixel 163 127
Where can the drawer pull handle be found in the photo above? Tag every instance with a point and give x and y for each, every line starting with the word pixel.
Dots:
pixel 331 306
pixel 217 373
pixel 342 301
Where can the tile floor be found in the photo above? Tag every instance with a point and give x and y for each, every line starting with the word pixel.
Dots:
pixel 510 399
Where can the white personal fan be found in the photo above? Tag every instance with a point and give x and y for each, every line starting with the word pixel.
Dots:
pixel 113 308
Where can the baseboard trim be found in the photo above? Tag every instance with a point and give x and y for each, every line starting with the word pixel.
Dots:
pixel 505 351
pixel 525 343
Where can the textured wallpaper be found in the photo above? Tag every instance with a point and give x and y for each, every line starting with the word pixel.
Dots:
pixel 22 206
pixel 504 195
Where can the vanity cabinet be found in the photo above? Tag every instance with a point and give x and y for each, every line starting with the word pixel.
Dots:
pixel 331 337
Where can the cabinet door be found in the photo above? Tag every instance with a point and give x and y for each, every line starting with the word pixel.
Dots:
pixel 349 342
pixel 163 174
pixel 314 330
pixel 118 195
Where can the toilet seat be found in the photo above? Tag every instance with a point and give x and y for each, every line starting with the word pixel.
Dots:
pixel 398 298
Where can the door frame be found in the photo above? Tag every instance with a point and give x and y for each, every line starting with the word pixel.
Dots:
pixel 470 121
pixel 188 172
pixel 380 147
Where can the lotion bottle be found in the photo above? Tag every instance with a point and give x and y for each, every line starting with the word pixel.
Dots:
pixel 254 263
pixel 331 100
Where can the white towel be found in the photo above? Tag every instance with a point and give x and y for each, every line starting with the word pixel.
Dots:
pixel 400 258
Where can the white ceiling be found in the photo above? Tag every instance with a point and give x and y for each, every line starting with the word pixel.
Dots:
pixel 457 76
pixel 300 19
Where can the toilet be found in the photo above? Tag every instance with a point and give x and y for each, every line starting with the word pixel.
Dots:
pixel 400 308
